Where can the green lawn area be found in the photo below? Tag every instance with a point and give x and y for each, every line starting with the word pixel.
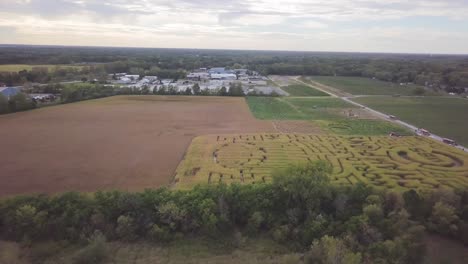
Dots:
pixel 20 67
pixel 325 111
pixel 364 127
pixel 444 116
pixel 296 108
pixel 272 108
pixel 302 90
pixel 364 86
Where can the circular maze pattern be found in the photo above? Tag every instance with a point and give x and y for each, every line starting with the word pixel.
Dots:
pixel 392 163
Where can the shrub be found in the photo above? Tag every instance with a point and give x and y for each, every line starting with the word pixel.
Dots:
pixel 19 102
pixel 95 252
pixel 29 222
pixel 281 233
pixel 159 234
pixel 3 104
pixel 256 221
pixel 374 213
pixel 330 250
pixel 126 227
pixel 443 219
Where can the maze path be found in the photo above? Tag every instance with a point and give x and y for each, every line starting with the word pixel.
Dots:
pixel 393 163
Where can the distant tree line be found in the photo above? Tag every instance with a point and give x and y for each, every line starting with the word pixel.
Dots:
pixel 349 224
pixel 74 92
pixel 448 72
pixel 84 91
pixel 16 103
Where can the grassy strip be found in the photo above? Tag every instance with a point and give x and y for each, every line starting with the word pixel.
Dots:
pixel 441 115
pixel 302 90
pixel 364 86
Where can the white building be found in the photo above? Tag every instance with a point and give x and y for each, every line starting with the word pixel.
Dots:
pixel 218 70
pixel 223 76
pixel 198 75
pixel 151 78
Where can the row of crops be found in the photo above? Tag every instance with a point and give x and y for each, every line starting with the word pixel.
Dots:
pixel 386 162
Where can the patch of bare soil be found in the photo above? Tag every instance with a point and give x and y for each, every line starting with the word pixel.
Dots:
pixel 125 142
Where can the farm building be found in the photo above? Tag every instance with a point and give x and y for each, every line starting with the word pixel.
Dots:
pixel 223 76
pixel 219 70
pixel 198 75
pixel 150 78
pixel 9 91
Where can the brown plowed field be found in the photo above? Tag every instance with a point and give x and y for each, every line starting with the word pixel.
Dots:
pixel 125 142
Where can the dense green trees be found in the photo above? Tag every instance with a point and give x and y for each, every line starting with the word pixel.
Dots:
pixel 84 91
pixel 16 103
pixel 300 208
pixel 438 71
pixel 3 104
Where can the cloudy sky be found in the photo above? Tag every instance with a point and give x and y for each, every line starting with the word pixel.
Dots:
pixel 413 26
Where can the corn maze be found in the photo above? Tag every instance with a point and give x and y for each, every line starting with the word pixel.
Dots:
pixel 386 162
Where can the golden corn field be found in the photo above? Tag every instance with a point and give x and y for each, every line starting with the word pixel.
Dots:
pixel 386 162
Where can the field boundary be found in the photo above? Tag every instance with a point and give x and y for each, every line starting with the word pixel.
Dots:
pixel 386 116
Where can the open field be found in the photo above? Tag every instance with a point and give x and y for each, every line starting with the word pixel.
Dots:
pixel 363 127
pixel 302 90
pixel 282 80
pixel 297 108
pixel 363 86
pixel 273 108
pixel 253 250
pixel 441 115
pixel 332 114
pixel 182 251
pixel 384 162
pixel 124 142
pixel 20 67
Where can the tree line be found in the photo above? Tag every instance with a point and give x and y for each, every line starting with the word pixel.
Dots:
pixel 75 92
pixel 16 103
pixel 84 91
pixel 300 208
pixel 448 72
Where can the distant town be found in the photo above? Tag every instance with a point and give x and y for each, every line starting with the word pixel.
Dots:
pixel 208 80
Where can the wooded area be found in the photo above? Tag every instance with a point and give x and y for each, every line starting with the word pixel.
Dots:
pixel 354 224
pixel 448 72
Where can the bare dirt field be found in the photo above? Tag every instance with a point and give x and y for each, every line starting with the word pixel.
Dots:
pixel 125 142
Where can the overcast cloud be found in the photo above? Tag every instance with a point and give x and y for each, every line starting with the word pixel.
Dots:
pixel 431 26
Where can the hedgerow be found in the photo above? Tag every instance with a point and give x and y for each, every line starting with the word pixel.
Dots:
pixel 299 207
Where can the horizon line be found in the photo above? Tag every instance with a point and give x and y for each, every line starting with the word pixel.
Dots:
pixel 231 49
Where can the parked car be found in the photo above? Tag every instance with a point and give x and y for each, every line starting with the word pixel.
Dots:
pixel 449 141
pixel 423 132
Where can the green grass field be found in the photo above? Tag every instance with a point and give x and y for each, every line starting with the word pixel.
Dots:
pixel 20 67
pixel 364 86
pixel 327 112
pixel 302 90
pixel 296 108
pixel 273 108
pixel 363 127
pixel 444 116
pixel 384 162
